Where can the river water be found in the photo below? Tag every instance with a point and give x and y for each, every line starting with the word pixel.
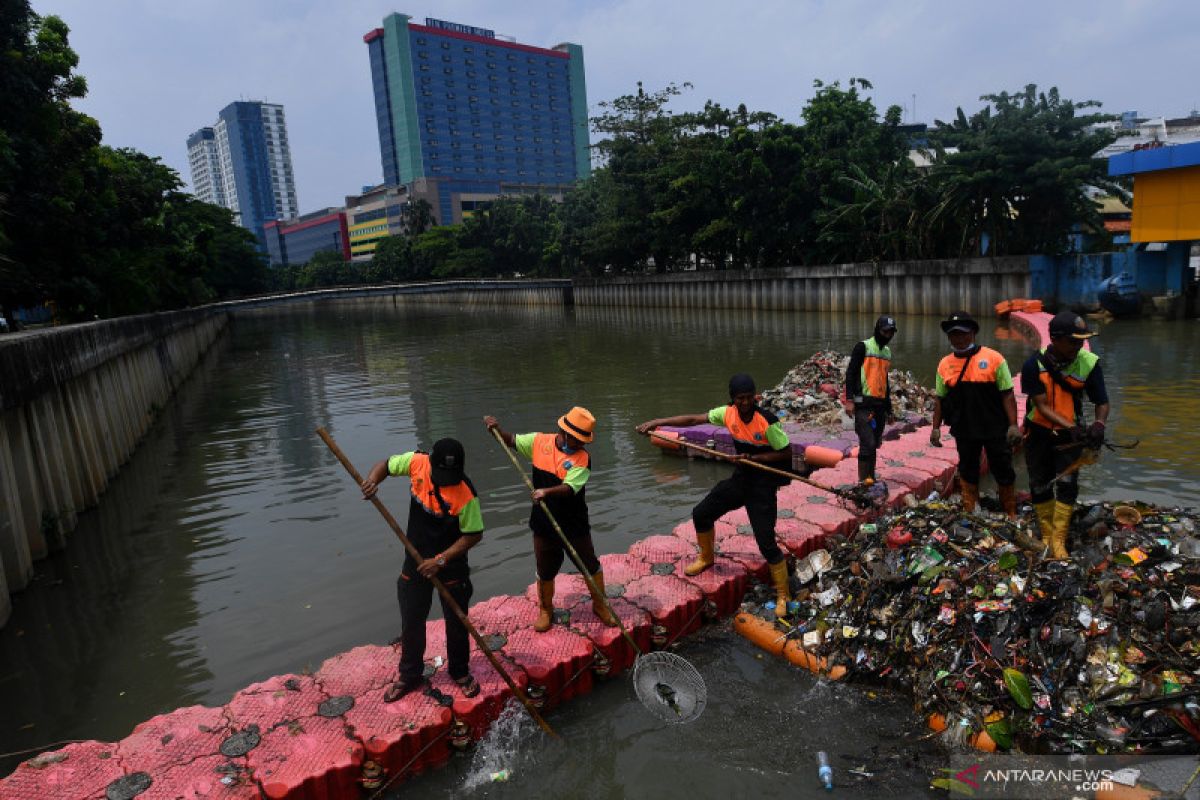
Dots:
pixel 233 547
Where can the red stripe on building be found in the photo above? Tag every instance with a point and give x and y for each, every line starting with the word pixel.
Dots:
pixel 525 48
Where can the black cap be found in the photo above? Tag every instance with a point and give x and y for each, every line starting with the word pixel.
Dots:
pixel 1068 323
pixel 960 321
pixel 885 323
pixel 447 461
pixel 741 384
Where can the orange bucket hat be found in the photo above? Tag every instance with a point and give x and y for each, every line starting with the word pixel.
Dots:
pixel 578 422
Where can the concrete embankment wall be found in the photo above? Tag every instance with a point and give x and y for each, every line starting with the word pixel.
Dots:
pixel 458 293
pixel 901 287
pixel 74 402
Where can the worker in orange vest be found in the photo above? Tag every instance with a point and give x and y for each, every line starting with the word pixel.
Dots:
pixel 974 396
pixel 443 524
pixel 757 436
pixel 869 393
pixel 1055 380
pixel 561 469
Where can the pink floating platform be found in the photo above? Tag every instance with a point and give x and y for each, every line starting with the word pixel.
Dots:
pixel 316 737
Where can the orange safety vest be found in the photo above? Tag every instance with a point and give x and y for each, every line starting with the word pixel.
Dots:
pixel 550 468
pixel 753 433
pixel 1064 402
pixel 433 523
pixel 950 367
pixel 456 497
pixel 875 366
pixel 750 438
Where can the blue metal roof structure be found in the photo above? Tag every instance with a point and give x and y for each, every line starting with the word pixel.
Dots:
pixel 1160 158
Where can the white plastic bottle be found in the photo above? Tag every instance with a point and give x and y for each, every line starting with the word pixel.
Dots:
pixel 824 771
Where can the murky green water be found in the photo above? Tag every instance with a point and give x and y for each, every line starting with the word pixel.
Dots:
pixel 233 547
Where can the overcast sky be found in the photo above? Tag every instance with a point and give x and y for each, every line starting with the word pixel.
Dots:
pixel 159 69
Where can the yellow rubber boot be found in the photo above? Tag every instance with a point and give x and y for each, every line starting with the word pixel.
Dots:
pixel 970 495
pixel 545 616
pixel 779 576
pixel 598 602
pixel 1008 501
pixel 1045 517
pixel 1062 529
pixel 707 541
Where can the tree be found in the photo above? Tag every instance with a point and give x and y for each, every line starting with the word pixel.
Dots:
pixel 642 135
pixel 325 268
pixel 1017 183
pixel 418 217
pixel 47 151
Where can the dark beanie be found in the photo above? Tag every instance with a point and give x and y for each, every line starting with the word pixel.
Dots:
pixel 741 384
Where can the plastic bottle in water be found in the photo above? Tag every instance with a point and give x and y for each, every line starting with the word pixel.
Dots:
pixel 824 771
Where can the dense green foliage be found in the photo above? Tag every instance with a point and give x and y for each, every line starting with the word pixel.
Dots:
pixel 735 189
pixel 93 230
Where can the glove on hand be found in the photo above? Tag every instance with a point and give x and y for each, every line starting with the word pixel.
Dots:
pixel 1013 437
pixel 1095 435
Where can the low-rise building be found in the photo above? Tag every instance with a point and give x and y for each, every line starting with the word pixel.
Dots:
pixel 293 242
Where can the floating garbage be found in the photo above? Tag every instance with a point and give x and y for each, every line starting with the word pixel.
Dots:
pixel 810 393
pixel 1002 648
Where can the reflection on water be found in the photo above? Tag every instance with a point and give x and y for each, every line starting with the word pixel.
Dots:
pixel 233 547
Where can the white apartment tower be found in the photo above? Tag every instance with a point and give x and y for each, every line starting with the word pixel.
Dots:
pixel 244 163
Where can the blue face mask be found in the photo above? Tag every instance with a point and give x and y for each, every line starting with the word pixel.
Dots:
pixel 566 447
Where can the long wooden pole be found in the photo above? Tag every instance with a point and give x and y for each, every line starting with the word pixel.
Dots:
pixel 441 587
pixel 726 457
pixel 596 593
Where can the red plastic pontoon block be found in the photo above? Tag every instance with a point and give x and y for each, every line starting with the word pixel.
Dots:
pixel 172 739
pixel 275 701
pixel 358 671
pixel 661 549
pixel 737 545
pixel 79 771
pixel 205 778
pixel 819 507
pixel 481 710
pixel 312 758
pixel 609 641
pixel 503 614
pixel 724 583
pixel 569 589
pixel 799 537
pixel 408 735
pixel 558 660
pixel 673 603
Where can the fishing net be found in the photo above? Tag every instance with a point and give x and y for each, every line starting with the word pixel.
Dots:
pixel 669 687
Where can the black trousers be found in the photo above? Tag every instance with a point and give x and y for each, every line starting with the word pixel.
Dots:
pixel 999 460
pixel 1044 460
pixel 549 553
pixel 758 496
pixel 416 598
pixel 869 438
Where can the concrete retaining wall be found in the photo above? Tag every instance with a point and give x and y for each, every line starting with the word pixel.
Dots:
pixel 74 402
pixel 550 291
pixel 902 287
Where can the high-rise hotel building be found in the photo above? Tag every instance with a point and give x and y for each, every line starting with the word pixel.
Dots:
pixel 465 116
pixel 244 163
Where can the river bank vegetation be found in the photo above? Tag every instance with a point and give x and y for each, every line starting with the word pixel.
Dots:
pixel 726 188
pixel 102 231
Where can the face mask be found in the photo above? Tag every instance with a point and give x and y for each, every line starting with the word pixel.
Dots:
pixel 964 350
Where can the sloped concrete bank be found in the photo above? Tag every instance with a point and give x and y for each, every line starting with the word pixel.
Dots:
pixel 899 287
pixel 74 403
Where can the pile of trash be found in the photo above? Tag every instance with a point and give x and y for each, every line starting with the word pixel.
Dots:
pixel 1099 654
pixel 811 393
